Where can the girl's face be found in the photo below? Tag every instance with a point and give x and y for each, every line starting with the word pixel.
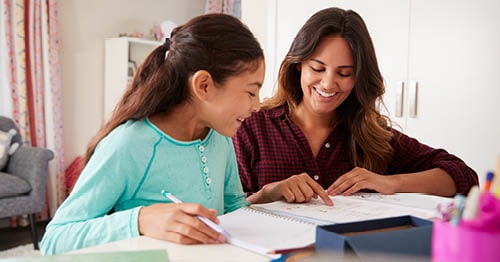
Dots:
pixel 327 77
pixel 236 100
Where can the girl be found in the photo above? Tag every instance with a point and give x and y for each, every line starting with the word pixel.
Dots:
pixel 168 132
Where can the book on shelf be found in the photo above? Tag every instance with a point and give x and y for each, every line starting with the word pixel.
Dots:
pixel 280 226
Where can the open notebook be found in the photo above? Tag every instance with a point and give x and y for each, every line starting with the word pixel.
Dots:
pixel 267 233
pixel 359 207
pixel 277 226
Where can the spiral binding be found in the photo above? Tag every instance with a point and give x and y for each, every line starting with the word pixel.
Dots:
pixel 283 216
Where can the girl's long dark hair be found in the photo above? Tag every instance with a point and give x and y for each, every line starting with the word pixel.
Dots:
pixel 218 43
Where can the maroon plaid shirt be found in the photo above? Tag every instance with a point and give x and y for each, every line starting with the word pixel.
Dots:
pixel 270 147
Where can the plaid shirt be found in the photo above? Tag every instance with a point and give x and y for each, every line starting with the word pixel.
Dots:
pixel 270 147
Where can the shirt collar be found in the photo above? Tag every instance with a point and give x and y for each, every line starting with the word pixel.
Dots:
pixel 277 112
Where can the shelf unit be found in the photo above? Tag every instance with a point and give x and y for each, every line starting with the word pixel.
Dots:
pixel 118 66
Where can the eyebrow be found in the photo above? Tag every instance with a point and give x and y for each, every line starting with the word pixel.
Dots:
pixel 321 62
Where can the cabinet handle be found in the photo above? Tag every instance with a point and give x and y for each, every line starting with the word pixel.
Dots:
pixel 413 98
pixel 399 99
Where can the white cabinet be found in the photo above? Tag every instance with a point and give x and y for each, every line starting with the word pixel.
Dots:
pixel 122 56
pixel 454 56
pixel 446 53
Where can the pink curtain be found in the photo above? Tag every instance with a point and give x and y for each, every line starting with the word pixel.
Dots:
pixel 34 83
pixel 230 7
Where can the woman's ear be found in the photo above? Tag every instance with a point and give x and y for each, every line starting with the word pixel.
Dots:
pixel 202 84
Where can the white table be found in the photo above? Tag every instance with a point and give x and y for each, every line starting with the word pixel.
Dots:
pixel 178 252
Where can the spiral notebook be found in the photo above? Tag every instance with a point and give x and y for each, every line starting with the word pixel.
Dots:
pixel 267 233
pixel 359 207
pixel 280 226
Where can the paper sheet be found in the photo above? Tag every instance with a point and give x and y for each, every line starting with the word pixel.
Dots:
pixel 360 207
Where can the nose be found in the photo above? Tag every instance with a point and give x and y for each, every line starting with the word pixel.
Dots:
pixel 328 82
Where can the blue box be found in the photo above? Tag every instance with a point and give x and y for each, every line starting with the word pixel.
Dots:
pixel 404 236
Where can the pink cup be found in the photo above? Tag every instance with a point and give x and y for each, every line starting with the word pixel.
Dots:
pixel 458 243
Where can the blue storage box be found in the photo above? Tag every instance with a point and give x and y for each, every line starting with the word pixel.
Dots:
pixel 396 237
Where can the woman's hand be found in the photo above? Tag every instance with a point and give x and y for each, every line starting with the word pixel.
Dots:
pixel 295 189
pixel 178 223
pixel 359 179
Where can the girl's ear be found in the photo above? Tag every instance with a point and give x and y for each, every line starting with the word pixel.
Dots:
pixel 202 84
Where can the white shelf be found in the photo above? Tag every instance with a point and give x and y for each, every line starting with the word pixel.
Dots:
pixel 118 52
pixel 142 41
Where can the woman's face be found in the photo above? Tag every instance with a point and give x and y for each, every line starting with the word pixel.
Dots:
pixel 236 100
pixel 327 76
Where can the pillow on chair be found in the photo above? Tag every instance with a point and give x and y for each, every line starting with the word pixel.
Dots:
pixel 6 148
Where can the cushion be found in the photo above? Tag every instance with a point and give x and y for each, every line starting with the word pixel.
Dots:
pixel 6 148
pixel 12 185
pixel 5 138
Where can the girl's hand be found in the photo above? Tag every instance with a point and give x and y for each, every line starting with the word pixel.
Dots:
pixel 359 179
pixel 295 189
pixel 178 223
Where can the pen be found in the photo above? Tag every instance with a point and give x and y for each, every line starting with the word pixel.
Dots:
pixel 459 209
pixel 487 182
pixel 205 220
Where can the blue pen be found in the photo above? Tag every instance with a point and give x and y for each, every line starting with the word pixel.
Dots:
pixel 487 182
pixel 205 220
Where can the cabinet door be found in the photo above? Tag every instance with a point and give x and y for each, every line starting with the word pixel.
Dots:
pixel 115 72
pixel 454 58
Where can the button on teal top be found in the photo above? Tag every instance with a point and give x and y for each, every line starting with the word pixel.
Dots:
pixel 129 169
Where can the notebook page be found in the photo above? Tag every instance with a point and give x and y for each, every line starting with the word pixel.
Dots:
pixel 271 232
pixel 414 200
pixel 346 209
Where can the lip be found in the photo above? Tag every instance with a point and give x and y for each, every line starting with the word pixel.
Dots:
pixel 323 99
pixel 323 93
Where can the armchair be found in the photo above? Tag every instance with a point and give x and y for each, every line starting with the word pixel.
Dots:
pixel 23 180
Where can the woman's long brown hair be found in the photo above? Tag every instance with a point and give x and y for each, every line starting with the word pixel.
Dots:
pixel 370 135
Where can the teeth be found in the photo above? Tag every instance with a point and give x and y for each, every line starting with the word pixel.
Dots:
pixel 325 94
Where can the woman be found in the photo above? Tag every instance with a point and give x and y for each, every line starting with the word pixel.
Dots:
pixel 323 130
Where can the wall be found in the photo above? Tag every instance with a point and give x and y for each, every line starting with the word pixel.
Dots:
pixel 258 24
pixel 83 26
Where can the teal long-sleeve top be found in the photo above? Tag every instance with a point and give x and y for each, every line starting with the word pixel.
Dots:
pixel 128 170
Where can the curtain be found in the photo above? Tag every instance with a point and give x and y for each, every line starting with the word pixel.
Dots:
pixel 230 7
pixel 31 83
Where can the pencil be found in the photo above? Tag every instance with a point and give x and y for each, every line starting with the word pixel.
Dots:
pixel 292 250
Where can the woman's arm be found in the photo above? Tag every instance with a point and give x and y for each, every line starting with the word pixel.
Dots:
pixel 433 181
pixel 415 167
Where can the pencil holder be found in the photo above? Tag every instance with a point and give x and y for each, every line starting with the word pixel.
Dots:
pixel 458 243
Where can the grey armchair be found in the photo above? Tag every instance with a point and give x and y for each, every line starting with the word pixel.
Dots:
pixel 23 181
